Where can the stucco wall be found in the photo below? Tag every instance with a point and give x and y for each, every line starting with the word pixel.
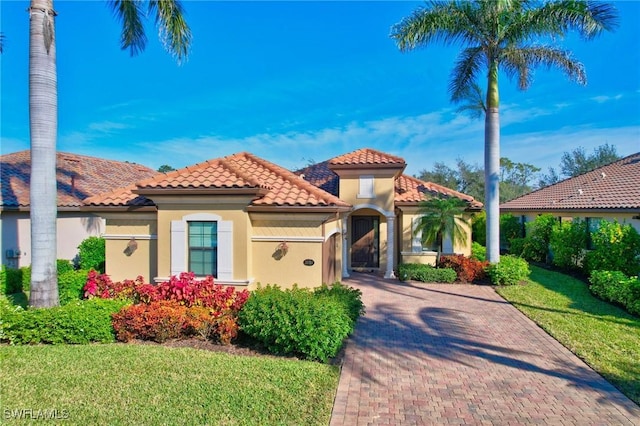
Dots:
pixel 304 237
pixel 72 229
pixel 131 246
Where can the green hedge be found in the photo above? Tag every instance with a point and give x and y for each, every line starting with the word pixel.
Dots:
pixel 616 287
pixel 509 271
pixel 78 322
pixel 300 322
pixel 426 273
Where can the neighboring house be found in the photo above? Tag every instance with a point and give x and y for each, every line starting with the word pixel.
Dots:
pixel 78 177
pixel 609 192
pixel 247 221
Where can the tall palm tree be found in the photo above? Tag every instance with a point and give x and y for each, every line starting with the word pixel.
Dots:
pixel 439 217
pixel 501 35
pixel 43 120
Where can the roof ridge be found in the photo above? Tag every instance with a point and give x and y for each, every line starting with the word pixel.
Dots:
pixel 296 180
pixel 225 162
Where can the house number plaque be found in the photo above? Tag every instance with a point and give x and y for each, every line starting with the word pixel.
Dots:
pixel 308 262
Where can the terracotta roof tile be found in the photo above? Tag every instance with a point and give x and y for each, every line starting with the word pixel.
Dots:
pixel 278 186
pixel 78 177
pixel 410 190
pixel 407 189
pixel 614 186
pixel 367 156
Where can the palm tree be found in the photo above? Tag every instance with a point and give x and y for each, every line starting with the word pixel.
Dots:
pixel 43 120
pixel 500 35
pixel 441 217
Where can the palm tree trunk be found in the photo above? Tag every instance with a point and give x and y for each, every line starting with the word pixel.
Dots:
pixel 492 166
pixel 43 124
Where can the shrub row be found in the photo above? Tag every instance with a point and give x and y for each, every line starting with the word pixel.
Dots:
pixel 467 269
pixel 510 270
pixel 615 247
pixel 181 307
pixel 302 322
pixel 425 273
pixel 616 287
pixel 77 322
pixel 16 280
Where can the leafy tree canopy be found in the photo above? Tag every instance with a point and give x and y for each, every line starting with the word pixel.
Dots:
pixel 577 162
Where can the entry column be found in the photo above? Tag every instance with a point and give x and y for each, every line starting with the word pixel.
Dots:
pixel 391 238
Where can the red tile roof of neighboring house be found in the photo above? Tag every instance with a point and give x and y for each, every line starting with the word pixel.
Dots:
pixel 78 177
pixel 274 185
pixel 367 156
pixel 615 186
pixel 408 190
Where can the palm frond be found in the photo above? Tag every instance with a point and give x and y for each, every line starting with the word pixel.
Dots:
pixel 465 72
pixel 173 29
pixel 474 103
pixel 446 22
pixel 520 61
pixel 440 216
pixel 129 12
pixel 588 18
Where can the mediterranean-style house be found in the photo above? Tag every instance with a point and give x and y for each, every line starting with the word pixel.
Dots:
pixel 609 192
pixel 247 221
pixel 78 177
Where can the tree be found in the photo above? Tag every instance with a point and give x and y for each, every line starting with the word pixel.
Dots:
pixel 165 168
pixel 43 121
pixel 577 162
pixel 500 35
pixel 440 217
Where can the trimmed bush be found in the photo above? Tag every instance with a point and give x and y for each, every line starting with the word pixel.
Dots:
pixel 64 265
pixel 78 322
pixel 426 273
pixel 350 298
pixel 478 252
pixel 568 243
pixel 509 271
pixel 467 269
pixel 157 321
pixel 91 254
pixel 70 285
pixel 616 287
pixel 10 280
pixel 616 248
pixel 296 321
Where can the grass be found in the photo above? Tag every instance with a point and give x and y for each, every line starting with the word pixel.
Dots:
pixel 604 336
pixel 123 384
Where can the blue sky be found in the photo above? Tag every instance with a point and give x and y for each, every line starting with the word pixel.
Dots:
pixel 295 82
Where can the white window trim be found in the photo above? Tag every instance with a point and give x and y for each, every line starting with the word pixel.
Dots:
pixel 366 187
pixel 179 244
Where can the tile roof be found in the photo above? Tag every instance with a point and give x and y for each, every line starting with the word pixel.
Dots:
pixel 615 186
pixel 78 177
pixel 367 156
pixel 412 190
pixel 274 185
pixel 408 190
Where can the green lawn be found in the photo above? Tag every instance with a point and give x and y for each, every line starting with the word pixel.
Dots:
pixel 604 336
pixel 119 384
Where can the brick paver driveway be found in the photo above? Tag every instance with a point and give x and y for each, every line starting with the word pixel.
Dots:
pixel 459 354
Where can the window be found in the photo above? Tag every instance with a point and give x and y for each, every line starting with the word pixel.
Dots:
pixel 365 187
pixel 220 261
pixel 203 248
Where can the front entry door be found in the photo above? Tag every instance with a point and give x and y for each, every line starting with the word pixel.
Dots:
pixel 365 242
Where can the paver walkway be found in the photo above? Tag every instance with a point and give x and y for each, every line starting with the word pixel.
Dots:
pixel 459 354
